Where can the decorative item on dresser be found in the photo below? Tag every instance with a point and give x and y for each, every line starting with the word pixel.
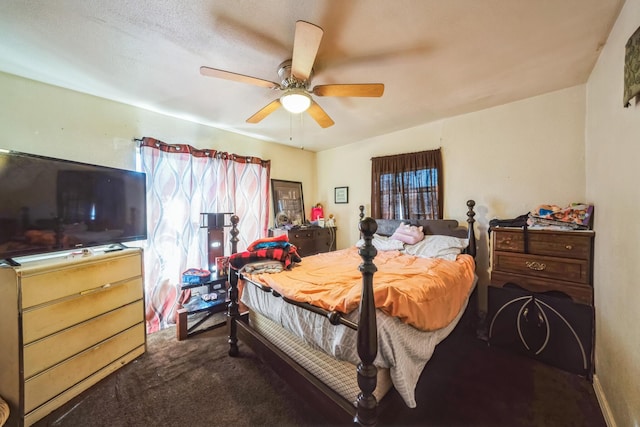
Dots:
pixel 309 240
pixel 349 388
pixel 288 202
pixel 67 322
pixel 541 295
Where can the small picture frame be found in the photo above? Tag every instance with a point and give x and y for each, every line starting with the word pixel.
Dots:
pixel 222 265
pixel 341 195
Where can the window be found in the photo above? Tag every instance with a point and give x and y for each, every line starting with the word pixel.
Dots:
pixel 407 186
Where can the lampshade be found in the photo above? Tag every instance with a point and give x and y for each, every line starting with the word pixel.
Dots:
pixel 295 100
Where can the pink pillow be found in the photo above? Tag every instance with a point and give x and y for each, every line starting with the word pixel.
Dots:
pixel 409 234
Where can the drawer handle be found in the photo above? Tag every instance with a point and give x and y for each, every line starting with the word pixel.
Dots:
pixel 507 241
pixel 568 247
pixel 89 291
pixel 534 265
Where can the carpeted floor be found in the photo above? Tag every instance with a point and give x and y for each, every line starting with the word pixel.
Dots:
pixel 194 383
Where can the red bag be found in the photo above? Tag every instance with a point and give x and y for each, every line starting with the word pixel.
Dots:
pixel 316 213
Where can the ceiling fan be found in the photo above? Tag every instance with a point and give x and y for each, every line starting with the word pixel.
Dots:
pixel 296 76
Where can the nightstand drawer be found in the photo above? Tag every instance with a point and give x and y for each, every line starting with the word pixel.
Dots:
pixel 572 244
pixel 567 269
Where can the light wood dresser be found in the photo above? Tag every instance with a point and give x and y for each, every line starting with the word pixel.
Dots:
pixel 65 324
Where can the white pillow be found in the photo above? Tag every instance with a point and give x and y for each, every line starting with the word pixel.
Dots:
pixel 438 246
pixel 383 243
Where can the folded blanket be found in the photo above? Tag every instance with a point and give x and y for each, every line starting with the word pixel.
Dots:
pixel 269 248
pixel 260 267
pixel 281 241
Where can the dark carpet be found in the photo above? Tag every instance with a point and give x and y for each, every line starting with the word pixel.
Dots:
pixel 194 383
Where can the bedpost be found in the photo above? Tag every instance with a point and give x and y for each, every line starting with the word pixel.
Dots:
pixel 234 233
pixel 471 250
pixel 232 309
pixel 366 411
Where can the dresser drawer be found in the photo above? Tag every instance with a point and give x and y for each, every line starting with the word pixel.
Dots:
pixel 304 241
pixel 578 293
pixel 47 319
pixel 44 285
pixel 47 352
pixel 301 235
pixel 44 386
pixel 325 240
pixel 565 269
pixel 566 244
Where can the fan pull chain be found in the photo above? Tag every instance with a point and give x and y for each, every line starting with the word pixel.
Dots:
pixel 302 130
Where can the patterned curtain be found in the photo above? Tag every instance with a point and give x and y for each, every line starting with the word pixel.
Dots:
pixel 182 183
pixel 407 186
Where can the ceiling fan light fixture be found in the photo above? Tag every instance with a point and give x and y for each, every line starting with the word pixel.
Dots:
pixel 295 100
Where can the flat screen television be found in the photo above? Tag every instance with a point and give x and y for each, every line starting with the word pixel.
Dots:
pixel 49 205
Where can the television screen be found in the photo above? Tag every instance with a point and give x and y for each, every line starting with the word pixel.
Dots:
pixel 49 204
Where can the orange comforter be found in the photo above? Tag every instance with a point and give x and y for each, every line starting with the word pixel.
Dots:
pixel 426 293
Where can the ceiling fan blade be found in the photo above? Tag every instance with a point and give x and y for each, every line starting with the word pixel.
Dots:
pixel 364 89
pixel 305 47
pixel 319 115
pixel 228 75
pixel 265 111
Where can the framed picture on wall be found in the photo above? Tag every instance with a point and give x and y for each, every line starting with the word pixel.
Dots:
pixel 341 195
pixel 288 203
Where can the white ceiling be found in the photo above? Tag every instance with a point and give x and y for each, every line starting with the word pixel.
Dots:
pixel 436 58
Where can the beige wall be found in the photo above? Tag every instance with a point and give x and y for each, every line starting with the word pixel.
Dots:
pixel 612 155
pixel 47 120
pixel 509 159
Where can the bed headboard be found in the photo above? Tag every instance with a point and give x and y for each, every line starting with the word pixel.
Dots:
pixel 446 227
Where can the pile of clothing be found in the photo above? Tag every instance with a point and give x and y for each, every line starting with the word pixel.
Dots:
pixel 267 255
pixel 576 216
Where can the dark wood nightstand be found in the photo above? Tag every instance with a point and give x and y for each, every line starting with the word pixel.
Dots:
pixel 217 285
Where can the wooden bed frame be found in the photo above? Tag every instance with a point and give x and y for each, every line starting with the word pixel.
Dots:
pixel 337 408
